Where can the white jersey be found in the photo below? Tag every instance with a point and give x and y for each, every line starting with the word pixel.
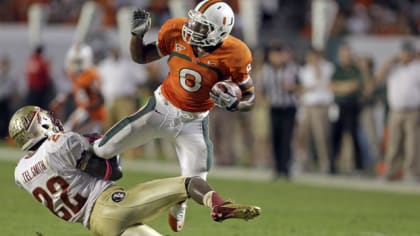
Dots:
pixel 51 176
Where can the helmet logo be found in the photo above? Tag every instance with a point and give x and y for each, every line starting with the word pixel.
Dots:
pixel 28 119
pixel 231 21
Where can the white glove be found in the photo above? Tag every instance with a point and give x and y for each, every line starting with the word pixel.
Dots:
pixel 140 22
pixel 224 99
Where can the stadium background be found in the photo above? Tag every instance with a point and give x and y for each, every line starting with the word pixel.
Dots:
pixel 365 206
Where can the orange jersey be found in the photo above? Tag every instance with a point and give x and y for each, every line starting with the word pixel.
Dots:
pixel 191 78
pixel 85 90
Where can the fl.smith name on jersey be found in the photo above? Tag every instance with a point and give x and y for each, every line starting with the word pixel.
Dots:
pixel 33 171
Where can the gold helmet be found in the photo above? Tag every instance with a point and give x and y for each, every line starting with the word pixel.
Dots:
pixel 31 124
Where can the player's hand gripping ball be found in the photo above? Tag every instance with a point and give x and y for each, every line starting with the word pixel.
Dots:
pixel 226 94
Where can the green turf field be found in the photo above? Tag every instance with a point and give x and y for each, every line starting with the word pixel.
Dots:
pixel 288 209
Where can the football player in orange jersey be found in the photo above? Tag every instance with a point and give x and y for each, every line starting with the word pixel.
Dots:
pixel 201 53
pixel 89 115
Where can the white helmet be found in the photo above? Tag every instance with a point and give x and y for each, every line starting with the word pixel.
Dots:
pixel 79 58
pixel 31 124
pixel 209 23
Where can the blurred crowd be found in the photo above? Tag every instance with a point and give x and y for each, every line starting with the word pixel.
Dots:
pixel 383 17
pixel 331 112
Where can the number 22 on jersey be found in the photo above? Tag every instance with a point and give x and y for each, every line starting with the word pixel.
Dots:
pixel 58 186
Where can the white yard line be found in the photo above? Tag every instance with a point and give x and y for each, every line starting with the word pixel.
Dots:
pixel 250 174
pixel 253 174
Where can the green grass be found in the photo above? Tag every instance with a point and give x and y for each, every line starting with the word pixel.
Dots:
pixel 288 209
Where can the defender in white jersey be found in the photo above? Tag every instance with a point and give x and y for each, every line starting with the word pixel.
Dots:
pixel 51 170
pixel 56 173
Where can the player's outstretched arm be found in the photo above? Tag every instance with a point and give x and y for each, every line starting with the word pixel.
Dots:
pixel 140 52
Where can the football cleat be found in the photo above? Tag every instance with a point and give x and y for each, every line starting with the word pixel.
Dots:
pixel 230 210
pixel 176 216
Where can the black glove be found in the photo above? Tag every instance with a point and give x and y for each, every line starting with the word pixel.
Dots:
pixel 107 169
pixel 140 22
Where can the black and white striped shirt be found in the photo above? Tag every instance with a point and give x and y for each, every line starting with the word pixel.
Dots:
pixel 273 82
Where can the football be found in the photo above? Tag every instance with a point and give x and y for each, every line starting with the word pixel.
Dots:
pixel 229 87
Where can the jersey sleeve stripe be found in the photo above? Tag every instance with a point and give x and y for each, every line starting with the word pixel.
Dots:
pixel 248 90
pixel 245 81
